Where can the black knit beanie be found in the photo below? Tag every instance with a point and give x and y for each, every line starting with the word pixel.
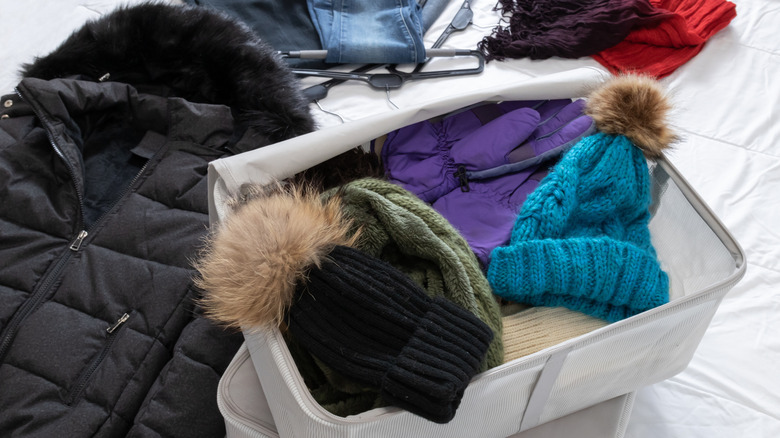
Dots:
pixel 369 321
pixel 286 256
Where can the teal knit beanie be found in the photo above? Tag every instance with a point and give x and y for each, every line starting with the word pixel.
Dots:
pixel 581 239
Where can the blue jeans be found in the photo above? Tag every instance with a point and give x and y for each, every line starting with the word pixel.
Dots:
pixel 369 31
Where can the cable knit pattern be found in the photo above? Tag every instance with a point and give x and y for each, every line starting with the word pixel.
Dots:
pixel 658 50
pixel 581 240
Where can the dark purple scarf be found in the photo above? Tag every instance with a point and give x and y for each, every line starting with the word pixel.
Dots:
pixel 540 29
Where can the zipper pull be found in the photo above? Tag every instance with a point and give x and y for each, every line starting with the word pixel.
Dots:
pixel 119 322
pixel 463 179
pixel 76 244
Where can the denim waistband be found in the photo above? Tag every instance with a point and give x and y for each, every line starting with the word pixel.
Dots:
pixel 369 31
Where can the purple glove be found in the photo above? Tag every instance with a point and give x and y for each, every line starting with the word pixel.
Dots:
pixel 476 167
pixel 486 214
pixel 432 158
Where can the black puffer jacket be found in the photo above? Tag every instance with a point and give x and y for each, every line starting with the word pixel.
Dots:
pixel 104 206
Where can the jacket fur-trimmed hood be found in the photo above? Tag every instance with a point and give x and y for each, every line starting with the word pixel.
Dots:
pixel 190 52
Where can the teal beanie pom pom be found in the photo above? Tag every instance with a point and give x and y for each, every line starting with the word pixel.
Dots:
pixel 582 239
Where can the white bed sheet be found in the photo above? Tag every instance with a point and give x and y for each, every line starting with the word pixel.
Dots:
pixel 727 110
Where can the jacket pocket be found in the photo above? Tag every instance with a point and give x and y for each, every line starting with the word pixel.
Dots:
pixel 113 331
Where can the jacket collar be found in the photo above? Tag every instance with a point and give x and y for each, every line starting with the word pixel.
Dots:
pixel 66 107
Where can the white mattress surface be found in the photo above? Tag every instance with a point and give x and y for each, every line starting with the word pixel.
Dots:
pixel 727 111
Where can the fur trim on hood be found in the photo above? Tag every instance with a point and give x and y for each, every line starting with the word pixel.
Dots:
pixel 194 53
pixel 635 106
pixel 255 260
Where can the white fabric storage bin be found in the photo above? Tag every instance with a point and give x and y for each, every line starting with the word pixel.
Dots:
pixel 701 257
pixel 244 406
pixel 241 400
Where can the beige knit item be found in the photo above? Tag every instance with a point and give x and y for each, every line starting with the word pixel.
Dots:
pixel 537 328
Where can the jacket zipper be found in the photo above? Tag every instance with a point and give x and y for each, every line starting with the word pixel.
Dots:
pixel 79 240
pixel 32 303
pixel 58 151
pixel 76 244
pixel 112 330
pixel 38 295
